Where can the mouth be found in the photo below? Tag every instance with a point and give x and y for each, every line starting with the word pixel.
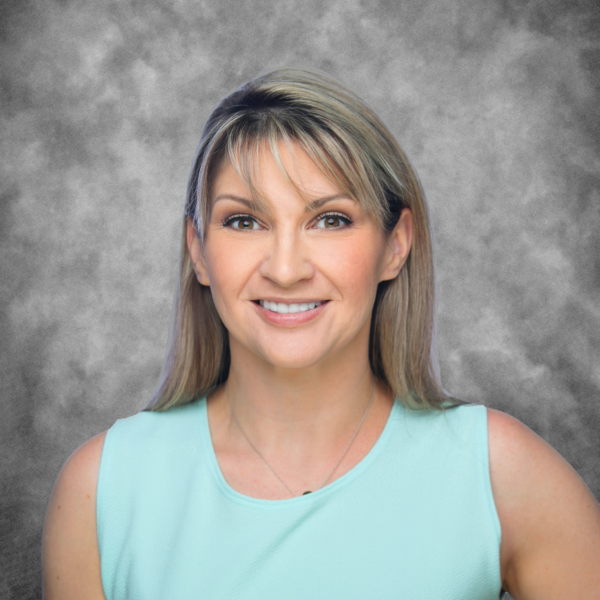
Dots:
pixel 290 308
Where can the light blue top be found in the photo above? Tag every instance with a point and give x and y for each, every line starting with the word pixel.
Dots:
pixel 415 519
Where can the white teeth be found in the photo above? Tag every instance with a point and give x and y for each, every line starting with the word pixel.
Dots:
pixel 281 308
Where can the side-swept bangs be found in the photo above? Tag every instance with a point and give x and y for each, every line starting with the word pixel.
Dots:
pixel 343 147
pixel 306 109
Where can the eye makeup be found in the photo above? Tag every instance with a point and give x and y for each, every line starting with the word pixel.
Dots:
pixel 226 221
pixel 345 220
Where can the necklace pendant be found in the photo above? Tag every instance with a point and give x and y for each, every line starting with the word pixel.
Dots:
pixel 309 492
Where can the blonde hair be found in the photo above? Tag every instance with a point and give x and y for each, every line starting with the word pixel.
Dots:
pixel 356 151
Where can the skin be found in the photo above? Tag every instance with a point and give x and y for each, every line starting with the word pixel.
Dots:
pixel 300 391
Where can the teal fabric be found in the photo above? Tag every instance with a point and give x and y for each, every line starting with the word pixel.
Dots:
pixel 414 519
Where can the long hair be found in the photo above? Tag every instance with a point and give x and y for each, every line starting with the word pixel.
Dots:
pixel 356 151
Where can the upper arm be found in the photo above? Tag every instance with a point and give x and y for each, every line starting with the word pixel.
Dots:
pixel 70 557
pixel 550 520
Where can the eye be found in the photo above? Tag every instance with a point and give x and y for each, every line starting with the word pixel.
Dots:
pixel 241 222
pixel 333 221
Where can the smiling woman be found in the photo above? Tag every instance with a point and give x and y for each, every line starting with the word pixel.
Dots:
pixel 300 443
pixel 313 246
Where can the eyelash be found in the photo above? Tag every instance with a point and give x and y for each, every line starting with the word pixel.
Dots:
pixel 348 221
pixel 341 216
pixel 228 220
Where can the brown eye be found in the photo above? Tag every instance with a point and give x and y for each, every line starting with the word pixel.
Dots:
pixel 241 223
pixel 333 222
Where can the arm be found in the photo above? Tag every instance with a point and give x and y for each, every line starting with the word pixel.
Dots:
pixel 550 520
pixel 70 557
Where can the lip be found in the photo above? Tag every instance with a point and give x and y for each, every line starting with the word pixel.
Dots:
pixel 293 319
pixel 291 300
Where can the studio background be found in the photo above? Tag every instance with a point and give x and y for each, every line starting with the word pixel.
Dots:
pixel 495 102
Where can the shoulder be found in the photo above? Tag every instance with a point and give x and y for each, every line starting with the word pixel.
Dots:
pixel 549 518
pixel 152 425
pixel 71 562
pixel 151 436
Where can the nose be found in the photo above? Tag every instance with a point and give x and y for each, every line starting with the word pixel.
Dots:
pixel 287 260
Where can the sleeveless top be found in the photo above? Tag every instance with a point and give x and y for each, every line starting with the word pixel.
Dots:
pixel 415 519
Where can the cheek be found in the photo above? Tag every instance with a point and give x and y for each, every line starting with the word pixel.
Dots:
pixel 229 268
pixel 357 268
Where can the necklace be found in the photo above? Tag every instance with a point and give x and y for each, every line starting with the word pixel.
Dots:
pixel 267 462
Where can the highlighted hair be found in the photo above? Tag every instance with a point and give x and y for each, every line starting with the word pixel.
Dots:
pixel 355 150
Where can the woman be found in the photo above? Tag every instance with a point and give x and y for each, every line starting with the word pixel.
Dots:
pixel 300 444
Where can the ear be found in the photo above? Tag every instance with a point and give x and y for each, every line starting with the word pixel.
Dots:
pixel 398 246
pixel 196 253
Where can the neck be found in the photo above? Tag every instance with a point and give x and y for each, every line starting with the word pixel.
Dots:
pixel 302 416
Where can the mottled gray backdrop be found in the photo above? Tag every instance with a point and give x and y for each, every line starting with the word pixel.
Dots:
pixel 496 102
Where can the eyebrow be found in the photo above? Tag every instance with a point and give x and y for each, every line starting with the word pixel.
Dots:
pixel 249 203
pixel 310 206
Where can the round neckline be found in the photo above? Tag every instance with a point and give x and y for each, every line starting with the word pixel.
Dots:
pixel 303 500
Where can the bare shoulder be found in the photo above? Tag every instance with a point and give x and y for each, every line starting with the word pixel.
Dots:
pixel 71 562
pixel 550 520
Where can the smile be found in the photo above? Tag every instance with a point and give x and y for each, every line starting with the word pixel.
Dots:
pixel 279 307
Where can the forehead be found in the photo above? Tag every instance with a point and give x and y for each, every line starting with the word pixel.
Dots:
pixel 262 175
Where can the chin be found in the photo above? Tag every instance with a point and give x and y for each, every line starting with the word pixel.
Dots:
pixel 299 353
pixel 294 356
pixel 292 360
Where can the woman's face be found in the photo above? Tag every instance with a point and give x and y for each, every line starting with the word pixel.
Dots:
pixel 296 286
